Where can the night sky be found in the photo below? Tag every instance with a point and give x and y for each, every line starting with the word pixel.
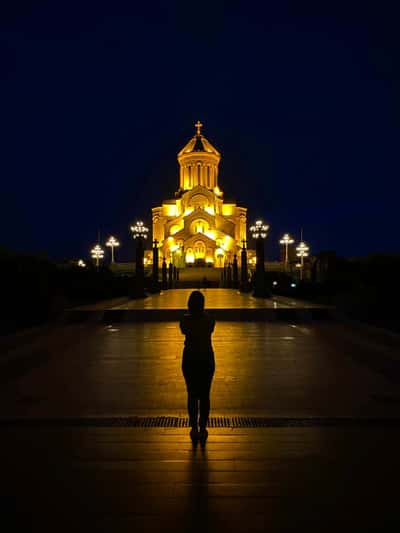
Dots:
pixel 97 98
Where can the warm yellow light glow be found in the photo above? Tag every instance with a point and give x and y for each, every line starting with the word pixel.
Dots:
pixel 112 241
pixel 227 243
pixel 259 230
pixel 227 210
pixel 170 210
pixel 302 249
pixel 198 210
pixel 81 263
pixel 97 252
pixel 139 230
pixel 175 228
pixel 286 239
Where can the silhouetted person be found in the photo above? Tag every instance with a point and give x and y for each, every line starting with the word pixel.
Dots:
pixel 198 364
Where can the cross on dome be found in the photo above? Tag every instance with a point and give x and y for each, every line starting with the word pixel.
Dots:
pixel 198 126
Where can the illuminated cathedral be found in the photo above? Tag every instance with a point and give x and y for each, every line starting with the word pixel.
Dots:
pixel 197 226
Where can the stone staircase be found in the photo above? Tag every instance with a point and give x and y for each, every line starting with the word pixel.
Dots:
pixel 199 277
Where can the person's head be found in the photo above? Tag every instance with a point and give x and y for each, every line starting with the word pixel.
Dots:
pixel 196 303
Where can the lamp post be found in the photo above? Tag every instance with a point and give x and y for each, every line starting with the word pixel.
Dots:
pixel 235 272
pixel 140 233
pixel 164 274
pixel 112 243
pixel 302 251
pixel 156 285
pixel 81 263
pixel 259 232
pixel 243 268
pixel 286 240
pixel 97 253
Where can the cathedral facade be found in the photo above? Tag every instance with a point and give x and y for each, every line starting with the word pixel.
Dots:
pixel 197 226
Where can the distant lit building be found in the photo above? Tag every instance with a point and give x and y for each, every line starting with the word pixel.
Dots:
pixel 198 226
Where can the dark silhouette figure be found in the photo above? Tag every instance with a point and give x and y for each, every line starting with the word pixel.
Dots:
pixel 198 364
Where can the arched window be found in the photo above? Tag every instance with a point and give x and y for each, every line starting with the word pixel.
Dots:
pixel 199 226
pixel 199 250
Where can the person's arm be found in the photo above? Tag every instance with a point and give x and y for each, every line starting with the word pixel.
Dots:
pixel 212 325
pixel 182 325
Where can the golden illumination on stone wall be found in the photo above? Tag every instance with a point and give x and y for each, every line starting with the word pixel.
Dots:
pixel 170 210
pixel 228 209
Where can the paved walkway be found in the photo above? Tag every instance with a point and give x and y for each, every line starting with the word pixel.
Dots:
pixel 63 478
pixel 215 299
pixel 264 369
pixel 152 480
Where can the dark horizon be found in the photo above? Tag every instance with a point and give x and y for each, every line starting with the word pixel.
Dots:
pixel 97 100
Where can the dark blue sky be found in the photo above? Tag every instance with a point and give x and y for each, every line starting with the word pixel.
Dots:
pixel 301 98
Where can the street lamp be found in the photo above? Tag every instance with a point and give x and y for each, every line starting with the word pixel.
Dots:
pixel 112 243
pixel 244 281
pixel 302 251
pixel 139 230
pixel 81 263
pixel 286 240
pixel 140 233
pixel 97 253
pixel 259 232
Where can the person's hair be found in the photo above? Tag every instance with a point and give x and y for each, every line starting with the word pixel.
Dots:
pixel 196 303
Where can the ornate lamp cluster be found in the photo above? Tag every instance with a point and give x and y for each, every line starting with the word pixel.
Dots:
pixel 286 240
pixel 112 243
pixel 139 230
pixel 302 251
pixel 259 230
pixel 97 253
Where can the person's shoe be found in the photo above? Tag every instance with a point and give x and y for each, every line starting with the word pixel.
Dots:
pixel 203 434
pixel 194 434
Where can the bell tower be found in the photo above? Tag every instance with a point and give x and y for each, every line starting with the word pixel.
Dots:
pixel 198 162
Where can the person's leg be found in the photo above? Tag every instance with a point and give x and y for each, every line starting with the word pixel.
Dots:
pixel 193 408
pixel 205 401
pixel 192 396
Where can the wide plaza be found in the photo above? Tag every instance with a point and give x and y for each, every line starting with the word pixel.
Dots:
pixel 325 392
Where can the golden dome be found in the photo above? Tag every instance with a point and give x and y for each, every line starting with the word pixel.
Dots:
pixel 198 143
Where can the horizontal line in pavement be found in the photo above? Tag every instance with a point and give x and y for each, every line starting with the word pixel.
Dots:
pixel 169 315
pixel 216 422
